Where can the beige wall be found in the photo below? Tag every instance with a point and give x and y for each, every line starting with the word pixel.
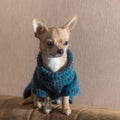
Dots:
pixel 95 43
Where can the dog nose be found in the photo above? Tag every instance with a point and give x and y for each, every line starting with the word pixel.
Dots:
pixel 60 51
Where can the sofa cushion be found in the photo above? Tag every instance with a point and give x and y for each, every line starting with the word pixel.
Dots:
pixel 11 108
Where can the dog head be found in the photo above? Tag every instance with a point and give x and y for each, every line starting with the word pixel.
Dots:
pixel 54 41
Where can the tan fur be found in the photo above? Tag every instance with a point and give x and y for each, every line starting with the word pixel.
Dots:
pixel 50 57
pixel 59 36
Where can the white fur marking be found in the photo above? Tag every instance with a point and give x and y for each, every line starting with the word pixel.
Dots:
pixel 55 64
pixel 39 104
pixel 47 111
pixel 67 112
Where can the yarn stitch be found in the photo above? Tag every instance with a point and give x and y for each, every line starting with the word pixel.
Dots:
pixel 54 84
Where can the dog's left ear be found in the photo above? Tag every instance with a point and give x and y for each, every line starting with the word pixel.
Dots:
pixel 69 26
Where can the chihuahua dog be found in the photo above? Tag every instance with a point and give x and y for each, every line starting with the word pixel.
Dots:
pixel 54 44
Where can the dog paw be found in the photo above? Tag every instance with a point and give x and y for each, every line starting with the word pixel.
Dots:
pixel 58 102
pixel 67 111
pixel 39 105
pixel 47 111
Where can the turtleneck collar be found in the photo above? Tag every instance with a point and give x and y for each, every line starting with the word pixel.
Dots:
pixel 43 70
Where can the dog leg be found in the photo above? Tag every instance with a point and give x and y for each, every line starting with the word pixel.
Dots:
pixel 38 103
pixel 65 105
pixel 27 101
pixel 47 105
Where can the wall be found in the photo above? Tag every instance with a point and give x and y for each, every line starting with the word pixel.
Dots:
pixel 95 42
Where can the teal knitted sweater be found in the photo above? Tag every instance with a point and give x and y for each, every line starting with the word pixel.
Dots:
pixel 54 84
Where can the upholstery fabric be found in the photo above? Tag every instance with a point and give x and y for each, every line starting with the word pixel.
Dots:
pixel 11 108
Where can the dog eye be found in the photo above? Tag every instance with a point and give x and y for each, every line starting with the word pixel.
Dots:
pixel 50 43
pixel 66 43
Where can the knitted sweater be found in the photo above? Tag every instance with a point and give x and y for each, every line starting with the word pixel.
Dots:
pixel 54 84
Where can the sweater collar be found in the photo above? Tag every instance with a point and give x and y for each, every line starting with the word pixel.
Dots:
pixel 45 71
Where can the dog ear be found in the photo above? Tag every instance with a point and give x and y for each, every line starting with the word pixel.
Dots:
pixel 69 26
pixel 38 28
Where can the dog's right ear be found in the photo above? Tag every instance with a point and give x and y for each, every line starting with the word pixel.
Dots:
pixel 38 28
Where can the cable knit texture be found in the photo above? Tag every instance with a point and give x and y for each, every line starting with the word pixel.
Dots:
pixel 54 84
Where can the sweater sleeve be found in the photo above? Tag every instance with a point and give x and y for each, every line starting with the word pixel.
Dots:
pixel 27 91
pixel 71 89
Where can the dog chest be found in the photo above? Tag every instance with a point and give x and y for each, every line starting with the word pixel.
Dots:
pixel 54 64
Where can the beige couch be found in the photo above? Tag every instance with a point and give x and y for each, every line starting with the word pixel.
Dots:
pixel 94 42
pixel 11 108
